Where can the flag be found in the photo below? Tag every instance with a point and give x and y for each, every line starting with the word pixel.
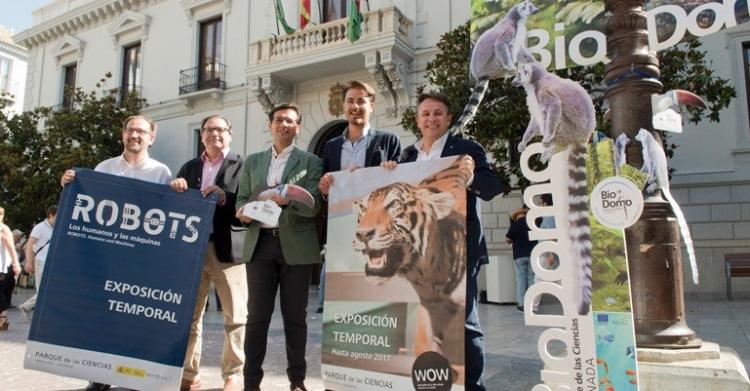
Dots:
pixel 354 28
pixel 281 18
pixel 304 13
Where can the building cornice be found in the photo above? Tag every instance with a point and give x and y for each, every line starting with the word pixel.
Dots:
pixel 14 50
pixel 78 19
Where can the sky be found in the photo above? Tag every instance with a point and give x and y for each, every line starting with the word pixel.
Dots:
pixel 16 14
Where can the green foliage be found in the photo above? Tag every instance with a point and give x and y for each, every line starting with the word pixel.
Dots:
pixel 38 146
pixel 502 117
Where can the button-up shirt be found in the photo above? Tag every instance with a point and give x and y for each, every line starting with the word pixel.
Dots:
pixel 276 170
pixel 354 153
pixel 211 168
pixel 278 164
pixel 435 151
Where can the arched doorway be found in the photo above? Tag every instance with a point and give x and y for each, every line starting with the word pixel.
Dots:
pixel 322 136
pixel 325 133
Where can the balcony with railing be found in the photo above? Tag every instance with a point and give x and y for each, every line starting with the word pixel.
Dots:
pixel 203 77
pixel 384 49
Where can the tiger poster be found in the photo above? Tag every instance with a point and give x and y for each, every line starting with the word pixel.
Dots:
pixel 395 292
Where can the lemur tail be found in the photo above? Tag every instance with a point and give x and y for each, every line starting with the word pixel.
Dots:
pixel 685 231
pixel 579 231
pixel 471 107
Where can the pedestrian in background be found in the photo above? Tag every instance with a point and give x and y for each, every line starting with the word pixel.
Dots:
pixel 9 269
pixel 518 237
pixel 36 255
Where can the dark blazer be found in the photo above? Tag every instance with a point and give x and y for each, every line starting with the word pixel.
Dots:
pixel 228 179
pixel 381 141
pixel 486 185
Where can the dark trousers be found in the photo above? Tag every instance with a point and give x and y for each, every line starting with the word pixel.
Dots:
pixel 266 272
pixel 7 284
pixel 474 338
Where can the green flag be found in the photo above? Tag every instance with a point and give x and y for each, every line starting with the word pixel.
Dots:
pixel 281 18
pixel 354 28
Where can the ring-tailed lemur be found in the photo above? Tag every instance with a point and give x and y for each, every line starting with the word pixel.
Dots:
pixel 655 165
pixel 620 143
pixel 496 54
pixel 562 111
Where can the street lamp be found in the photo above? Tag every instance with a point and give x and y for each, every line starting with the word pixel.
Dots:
pixel 653 243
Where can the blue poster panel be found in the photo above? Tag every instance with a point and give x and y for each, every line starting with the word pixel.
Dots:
pixel 396 279
pixel 118 291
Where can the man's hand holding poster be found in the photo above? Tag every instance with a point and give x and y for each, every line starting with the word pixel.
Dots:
pixel 118 292
pixel 395 293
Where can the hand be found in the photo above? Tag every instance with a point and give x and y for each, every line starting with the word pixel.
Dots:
pixel 16 270
pixel 241 216
pixel 179 185
pixel 325 183
pixel 68 176
pixel 466 168
pixel 28 266
pixel 215 189
pixel 279 200
pixel 389 165
pixel 508 241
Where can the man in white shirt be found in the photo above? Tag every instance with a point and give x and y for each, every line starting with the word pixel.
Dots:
pixel 279 257
pixel 434 120
pixel 138 133
pixel 36 254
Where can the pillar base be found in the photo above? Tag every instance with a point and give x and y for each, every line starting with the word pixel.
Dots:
pixel 708 368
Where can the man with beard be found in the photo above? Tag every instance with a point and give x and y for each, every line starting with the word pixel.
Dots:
pixel 217 170
pixel 359 146
pixel 138 133
pixel 279 256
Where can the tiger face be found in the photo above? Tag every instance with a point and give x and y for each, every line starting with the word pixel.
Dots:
pixel 393 224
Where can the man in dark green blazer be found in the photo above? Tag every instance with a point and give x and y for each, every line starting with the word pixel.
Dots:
pixel 280 256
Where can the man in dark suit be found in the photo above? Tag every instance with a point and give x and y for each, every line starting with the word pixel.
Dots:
pixel 280 256
pixel 217 170
pixel 433 120
pixel 358 146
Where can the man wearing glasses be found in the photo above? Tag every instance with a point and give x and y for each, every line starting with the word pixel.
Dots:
pixel 217 170
pixel 280 256
pixel 138 133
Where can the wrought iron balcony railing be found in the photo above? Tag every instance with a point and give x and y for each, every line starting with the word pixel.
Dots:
pixel 203 77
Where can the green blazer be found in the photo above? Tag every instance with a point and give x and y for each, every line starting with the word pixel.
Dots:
pixel 299 240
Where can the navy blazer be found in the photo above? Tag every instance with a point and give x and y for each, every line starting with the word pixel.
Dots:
pixel 228 179
pixel 486 185
pixel 383 141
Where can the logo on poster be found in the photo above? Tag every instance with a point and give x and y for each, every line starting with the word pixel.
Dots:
pixel 431 372
pixel 616 202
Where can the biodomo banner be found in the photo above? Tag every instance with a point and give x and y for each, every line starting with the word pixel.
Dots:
pixel 573 33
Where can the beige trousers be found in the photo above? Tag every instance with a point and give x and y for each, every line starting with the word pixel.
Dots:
pixel 230 280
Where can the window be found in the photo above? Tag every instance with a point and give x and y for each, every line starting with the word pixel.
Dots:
pixel 131 68
pixel 334 9
pixel 209 62
pixel 69 84
pixel 199 147
pixel 5 65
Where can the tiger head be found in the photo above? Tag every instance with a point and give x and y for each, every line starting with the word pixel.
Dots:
pixel 393 224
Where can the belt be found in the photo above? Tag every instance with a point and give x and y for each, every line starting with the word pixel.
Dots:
pixel 270 231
